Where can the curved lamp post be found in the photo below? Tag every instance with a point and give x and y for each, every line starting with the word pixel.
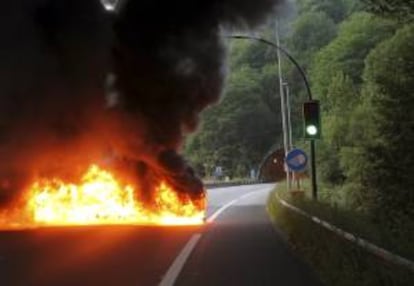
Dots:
pixel 308 89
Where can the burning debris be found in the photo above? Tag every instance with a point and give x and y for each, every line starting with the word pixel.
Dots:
pixel 111 93
pixel 100 199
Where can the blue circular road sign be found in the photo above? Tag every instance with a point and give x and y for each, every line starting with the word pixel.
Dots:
pixel 297 160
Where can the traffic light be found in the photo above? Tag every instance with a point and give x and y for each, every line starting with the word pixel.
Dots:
pixel 312 119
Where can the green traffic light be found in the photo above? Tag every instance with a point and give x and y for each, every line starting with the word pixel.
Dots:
pixel 312 130
pixel 311 118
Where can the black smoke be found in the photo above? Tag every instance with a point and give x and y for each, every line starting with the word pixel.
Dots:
pixel 80 85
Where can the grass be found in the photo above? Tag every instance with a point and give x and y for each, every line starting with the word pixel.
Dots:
pixel 337 261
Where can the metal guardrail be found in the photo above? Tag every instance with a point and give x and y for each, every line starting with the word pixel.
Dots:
pixel 366 245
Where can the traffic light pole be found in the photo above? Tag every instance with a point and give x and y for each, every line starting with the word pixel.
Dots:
pixel 305 79
pixel 313 171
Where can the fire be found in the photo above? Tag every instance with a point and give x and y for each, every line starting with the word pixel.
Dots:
pixel 100 199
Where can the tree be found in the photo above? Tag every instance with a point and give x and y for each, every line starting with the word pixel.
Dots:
pixel 236 133
pixel 386 163
pixel 357 36
pixel 253 54
pixel 311 32
pixel 402 10
pixel 335 9
pixel 336 126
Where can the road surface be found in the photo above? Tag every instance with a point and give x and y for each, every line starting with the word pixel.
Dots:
pixel 238 246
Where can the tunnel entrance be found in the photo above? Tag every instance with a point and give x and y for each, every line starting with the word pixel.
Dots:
pixel 271 168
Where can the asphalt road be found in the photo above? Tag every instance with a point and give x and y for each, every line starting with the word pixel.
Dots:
pixel 238 246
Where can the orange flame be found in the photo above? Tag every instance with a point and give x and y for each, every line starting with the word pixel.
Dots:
pixel 100 199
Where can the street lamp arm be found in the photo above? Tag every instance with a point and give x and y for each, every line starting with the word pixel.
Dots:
pixel 285 52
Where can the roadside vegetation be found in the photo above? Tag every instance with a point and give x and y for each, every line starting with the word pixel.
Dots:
pixel 337 261
pixel 358 55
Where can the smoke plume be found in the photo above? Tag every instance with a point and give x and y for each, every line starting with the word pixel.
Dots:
pixel 79 85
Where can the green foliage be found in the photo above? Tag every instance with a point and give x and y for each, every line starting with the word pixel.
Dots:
pixel 252 54
pixel 337 261
pixel 364 78
pixel 270 86
pixel 236 133
pixel 356 37
pixel 335 9
pixel 342 97
pixel 362 70
pixel 402 10
pixel 387 175
pixel 329 168
pixel 311 31
pixel 353 6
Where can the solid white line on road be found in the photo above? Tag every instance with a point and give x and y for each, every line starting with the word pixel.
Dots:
pixel 226 206
pixel 172 274
pixel 220 210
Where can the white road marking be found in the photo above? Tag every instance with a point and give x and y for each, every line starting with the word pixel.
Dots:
pixel 172 274
pixel 178 264
pixel 226 206
pixel 220 210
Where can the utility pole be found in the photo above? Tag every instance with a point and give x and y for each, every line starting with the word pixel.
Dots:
pixel 289 128
pixel 282 104
pixel 289 120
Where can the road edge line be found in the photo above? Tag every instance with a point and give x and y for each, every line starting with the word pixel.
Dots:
pixel 172 274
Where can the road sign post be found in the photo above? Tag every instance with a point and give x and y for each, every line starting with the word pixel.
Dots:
pixel 313 170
